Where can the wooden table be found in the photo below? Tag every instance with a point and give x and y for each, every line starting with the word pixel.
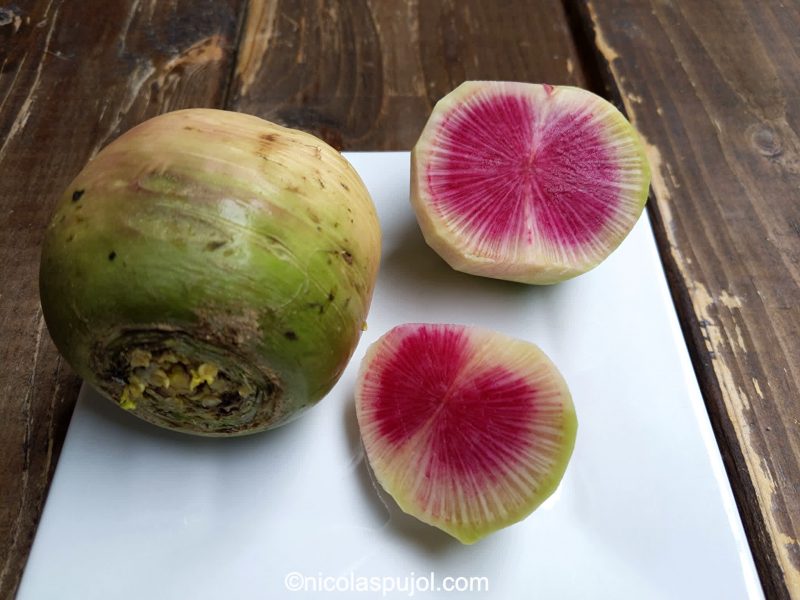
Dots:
pixel 713 86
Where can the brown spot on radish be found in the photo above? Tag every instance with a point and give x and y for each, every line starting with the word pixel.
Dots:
pixel 290 335
pixel 265 142
pixel 76 195
pixel 215 245
pixel 345 187
pixel 348 258
pixel 112 255
pixel 318 306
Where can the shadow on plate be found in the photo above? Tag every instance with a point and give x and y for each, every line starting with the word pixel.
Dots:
pixel 116 426
pixel 414 268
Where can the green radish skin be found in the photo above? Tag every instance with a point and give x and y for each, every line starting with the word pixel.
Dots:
pixel 220 239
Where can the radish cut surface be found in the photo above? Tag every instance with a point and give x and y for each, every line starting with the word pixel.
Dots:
pixel 467 429
pixel 527 182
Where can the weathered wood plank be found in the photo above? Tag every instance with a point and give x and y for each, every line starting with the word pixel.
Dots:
pixel 364 75
pixel 73 75
pixel 710 86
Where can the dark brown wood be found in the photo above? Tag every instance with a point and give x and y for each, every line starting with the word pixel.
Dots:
pixel 73 75
pixel 711 86
pixel 364 74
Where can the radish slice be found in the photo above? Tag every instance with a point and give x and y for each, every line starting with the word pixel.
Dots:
pixel 467 429
pixel 526 182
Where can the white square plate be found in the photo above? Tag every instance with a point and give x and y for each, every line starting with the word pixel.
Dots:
pixel 644 511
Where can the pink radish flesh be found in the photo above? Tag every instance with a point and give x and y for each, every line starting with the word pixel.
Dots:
pixel 468 429
pixel 502 158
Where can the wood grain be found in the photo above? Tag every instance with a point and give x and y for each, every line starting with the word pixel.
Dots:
pixel 364 75
pixel 708 84
pixel 73 75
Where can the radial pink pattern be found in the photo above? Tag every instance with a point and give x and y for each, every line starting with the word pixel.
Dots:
pixel 506 172
pixel 477 423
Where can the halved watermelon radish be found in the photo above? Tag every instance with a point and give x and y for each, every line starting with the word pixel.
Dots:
pixel 467 429
pixel 527 182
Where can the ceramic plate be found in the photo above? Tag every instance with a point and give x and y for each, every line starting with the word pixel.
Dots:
pixel 644 511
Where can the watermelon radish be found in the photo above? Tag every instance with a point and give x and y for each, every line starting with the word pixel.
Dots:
pixel 211 272
pixel 526 182
pixel 467 429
